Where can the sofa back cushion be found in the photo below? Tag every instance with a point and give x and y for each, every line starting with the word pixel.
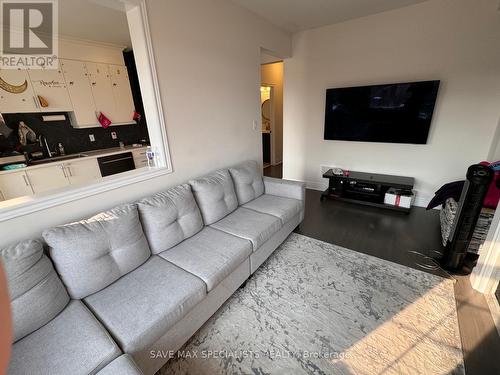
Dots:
pixel 215 195
pixel 248 183
pixel 170 217
pixel 37 294
pixel 91 254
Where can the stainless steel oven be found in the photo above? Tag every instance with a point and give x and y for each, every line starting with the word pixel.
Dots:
pixel 117 163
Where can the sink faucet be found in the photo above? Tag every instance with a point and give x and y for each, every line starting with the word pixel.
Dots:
pixel 44 144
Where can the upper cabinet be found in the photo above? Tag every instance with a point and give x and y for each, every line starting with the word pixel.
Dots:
pixel 101 89
pixel 16 92
pixel 81 88
pixel 80 93
pixel 111 93
pixel 122 94
pixel 50 90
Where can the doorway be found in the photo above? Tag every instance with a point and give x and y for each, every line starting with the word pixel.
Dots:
pixel 267 123
pixel 271 99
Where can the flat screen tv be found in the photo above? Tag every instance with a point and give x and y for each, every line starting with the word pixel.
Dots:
pixel 393 113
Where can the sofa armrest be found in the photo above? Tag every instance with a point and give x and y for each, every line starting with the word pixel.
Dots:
pixel 285 188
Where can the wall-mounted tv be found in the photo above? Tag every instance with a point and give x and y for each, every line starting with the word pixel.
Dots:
pixel 393 113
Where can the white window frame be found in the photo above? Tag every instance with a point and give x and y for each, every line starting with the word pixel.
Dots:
pixel 486 275
pixel 137 17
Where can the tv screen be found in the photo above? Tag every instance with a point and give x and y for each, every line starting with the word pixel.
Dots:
pixel 393 113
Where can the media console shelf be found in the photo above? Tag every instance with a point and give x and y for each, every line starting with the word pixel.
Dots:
pixel 365 188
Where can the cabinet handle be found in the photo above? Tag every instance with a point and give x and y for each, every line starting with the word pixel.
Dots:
pixel 26 181
pixel 63 170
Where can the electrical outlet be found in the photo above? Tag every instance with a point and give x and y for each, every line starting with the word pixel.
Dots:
pixel 113 135
pixel 91 137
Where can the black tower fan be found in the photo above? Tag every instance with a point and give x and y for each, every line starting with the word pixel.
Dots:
pixel 479 178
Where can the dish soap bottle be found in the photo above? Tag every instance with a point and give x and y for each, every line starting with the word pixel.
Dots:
pixel 150 155
pixel 61 150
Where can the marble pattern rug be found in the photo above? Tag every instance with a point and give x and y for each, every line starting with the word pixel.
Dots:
pixel 317 308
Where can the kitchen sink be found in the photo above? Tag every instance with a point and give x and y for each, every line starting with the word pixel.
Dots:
pixel 56 159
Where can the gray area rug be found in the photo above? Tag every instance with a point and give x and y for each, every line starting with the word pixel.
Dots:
pixel 316 308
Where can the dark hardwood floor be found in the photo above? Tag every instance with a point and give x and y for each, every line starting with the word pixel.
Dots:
pixel 405 239
pixel 274 171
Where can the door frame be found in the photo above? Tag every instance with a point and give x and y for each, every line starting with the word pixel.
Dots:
pixel 485 276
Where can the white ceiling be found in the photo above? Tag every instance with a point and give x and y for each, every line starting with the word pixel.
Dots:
pixel 297 15
pixel 90 20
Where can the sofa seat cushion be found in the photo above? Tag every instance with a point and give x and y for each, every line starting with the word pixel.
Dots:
pixel 211 255
pixel 170 217
pixel 251 225
pixel 91 254
pixel 247 178
pixel 123 365
pixel 74 342
pixel 284 208
pixel 37 295
pixel 141 306
pixel 215 195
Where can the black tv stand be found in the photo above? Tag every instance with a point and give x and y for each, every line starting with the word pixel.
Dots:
pixel 365 188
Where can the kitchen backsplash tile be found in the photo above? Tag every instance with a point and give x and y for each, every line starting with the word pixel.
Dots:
pixel 76 140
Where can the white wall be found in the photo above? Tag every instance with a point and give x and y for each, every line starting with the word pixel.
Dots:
pixel 494 153
pixel 74 49
pixel 207 56
pixel 456 41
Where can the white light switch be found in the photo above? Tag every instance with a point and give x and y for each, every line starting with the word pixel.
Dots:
pixel 255 124
pixel 91 137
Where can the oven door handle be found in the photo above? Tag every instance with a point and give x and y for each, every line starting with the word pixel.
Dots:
pixel 115 160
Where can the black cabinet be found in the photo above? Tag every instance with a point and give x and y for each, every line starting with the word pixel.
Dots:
pixel 365 188
pixel 266 147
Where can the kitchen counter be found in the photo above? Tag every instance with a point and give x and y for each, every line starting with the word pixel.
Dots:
pixel 80 156
pixel 110 151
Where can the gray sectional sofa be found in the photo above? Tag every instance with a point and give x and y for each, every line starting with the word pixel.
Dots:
pixel 117 293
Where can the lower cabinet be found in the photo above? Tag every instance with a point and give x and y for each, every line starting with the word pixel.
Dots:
pixel 54 176
pixel 140 158
pixel 82 171
pixel 50 177
pixel 14 185
pixel 47 178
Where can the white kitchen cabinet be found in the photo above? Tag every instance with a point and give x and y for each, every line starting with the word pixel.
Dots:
pixel 14 185
pixel 80 93
pixel 48 177
pixel 140 159
pixel 102 89
pixel 122 94
pixel 81 171
pixel 17 102
pixel 50 85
